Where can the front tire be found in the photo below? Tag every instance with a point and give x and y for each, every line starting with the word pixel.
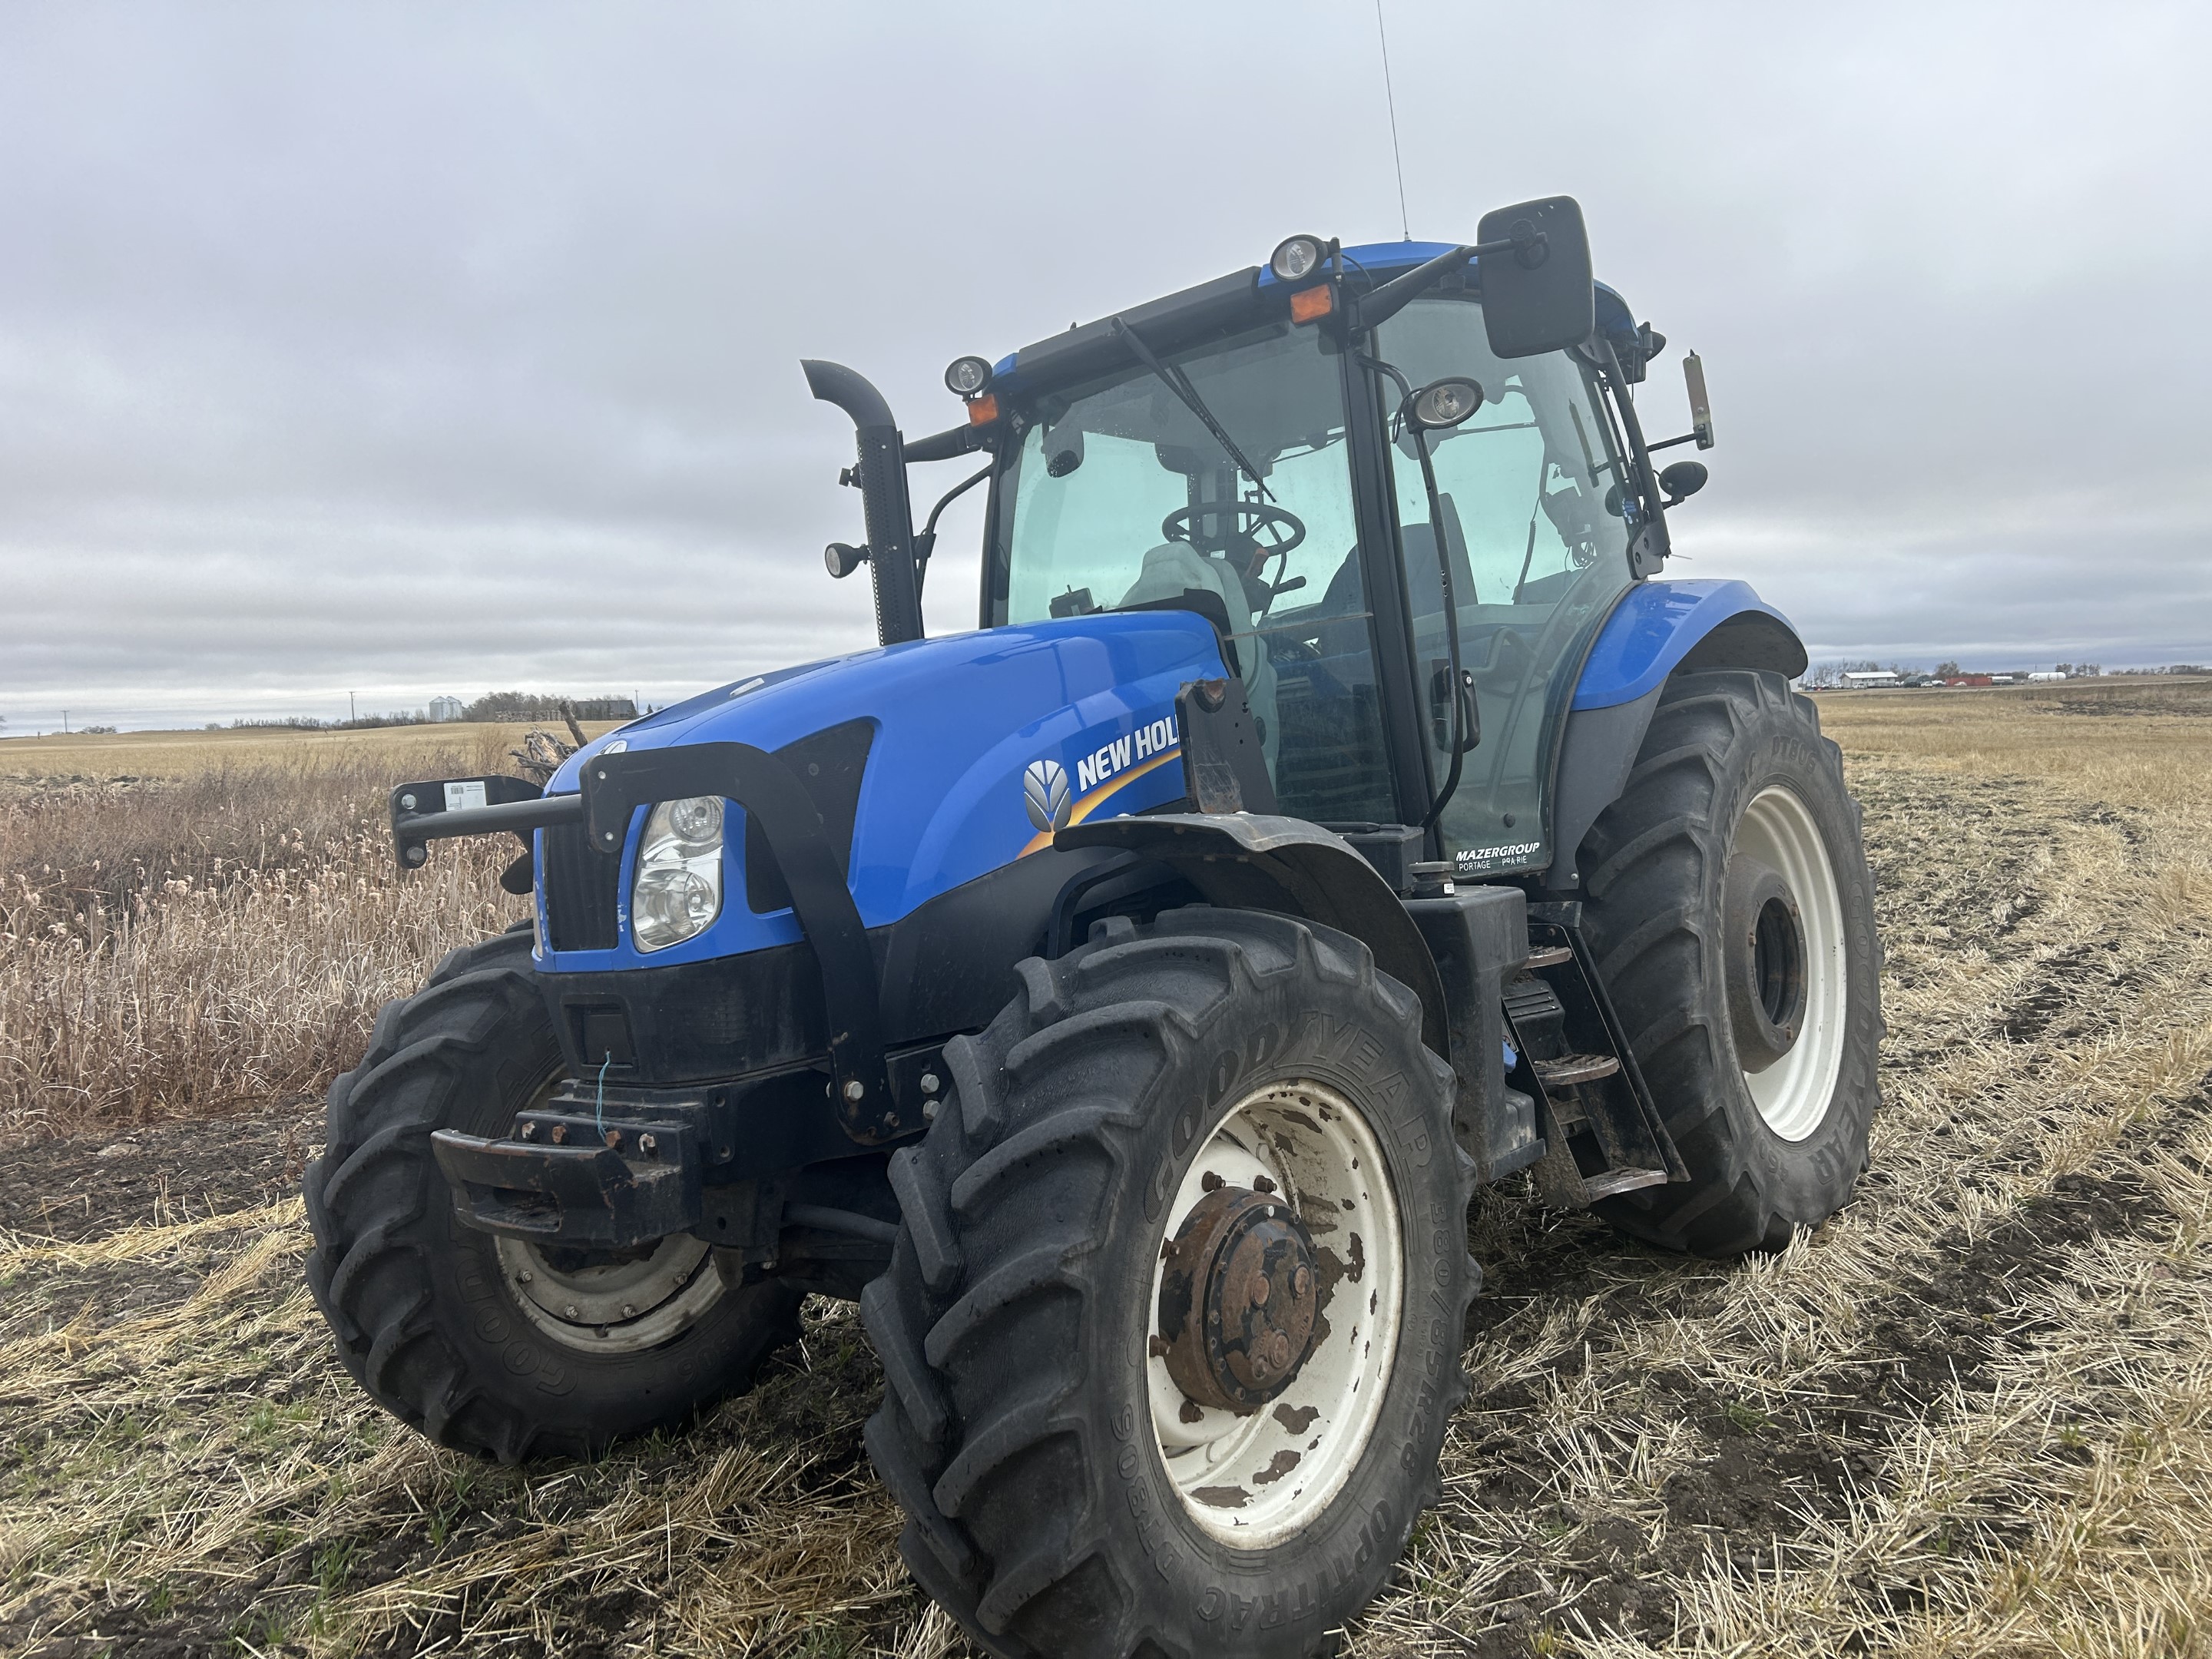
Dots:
pixel 492 1347
pixel 1108 1434
pixel 1731 912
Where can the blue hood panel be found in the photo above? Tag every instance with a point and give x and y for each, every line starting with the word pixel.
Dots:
pixel 959 721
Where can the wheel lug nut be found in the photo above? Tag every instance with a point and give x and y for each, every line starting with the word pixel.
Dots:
pixel 1301 1282
pixel 570 1311
pixel 628 1312
pixel 526 1276
pixel 1258 1292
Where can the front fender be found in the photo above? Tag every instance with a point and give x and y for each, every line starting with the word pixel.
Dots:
pixel 1659 629
pixel 1245 861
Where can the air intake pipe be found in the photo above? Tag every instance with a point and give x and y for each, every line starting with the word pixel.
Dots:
pixel 888 514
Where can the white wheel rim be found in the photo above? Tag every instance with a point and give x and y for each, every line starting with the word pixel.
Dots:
pixel 1254 1479
pixel 1792 1095
pixel 617 1307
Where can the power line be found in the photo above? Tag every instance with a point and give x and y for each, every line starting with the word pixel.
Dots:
pixel 1405 219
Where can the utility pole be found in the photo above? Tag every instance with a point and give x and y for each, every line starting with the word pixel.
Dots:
pixel 65 722
pixel 350 716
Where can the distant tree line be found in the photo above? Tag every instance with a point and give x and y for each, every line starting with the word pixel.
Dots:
pixel 307 723
pixel 511 706
pixel 498 708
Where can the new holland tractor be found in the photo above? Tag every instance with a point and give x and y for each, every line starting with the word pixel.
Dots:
pixel 1334 809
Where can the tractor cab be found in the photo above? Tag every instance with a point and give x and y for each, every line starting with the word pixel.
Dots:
pixel 1301 508
pixel 1408 627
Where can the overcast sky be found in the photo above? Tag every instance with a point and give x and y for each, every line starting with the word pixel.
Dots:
pixel 409 349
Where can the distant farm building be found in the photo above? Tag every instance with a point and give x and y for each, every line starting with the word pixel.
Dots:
pixel 446 709
pixel 1862 678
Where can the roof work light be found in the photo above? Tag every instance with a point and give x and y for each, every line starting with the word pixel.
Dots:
pixel 1297 258
pixel 966 377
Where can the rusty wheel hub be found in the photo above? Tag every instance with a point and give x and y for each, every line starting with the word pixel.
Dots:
pixel 1238 1299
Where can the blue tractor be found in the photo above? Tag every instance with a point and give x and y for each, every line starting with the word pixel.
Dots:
pixel 1334 809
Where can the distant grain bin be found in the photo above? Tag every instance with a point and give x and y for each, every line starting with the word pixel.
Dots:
pixel 446 709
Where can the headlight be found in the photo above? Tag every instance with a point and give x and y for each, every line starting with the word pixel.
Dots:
pixel 679 888
pixel 1445 403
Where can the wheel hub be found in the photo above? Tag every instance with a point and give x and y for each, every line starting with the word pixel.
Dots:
pixel 1239 1297
pixel 1766 965
pixel 612 1302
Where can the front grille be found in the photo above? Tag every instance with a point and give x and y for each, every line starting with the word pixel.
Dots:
pixel 581 892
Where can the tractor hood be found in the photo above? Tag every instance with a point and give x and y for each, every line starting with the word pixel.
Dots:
pixel 967 750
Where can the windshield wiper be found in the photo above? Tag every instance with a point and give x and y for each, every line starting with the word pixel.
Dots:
pixel 1176 382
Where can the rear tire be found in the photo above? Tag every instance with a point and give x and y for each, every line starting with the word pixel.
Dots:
pixel 432 1317
pixel 1731 912
pixel 1032 1428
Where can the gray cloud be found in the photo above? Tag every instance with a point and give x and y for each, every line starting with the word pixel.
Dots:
pixel 405 350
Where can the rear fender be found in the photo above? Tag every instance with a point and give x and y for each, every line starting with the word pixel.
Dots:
pixel 1659 630
pixel 1246 861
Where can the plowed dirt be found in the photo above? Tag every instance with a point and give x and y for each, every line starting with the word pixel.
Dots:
pixel 1972 1414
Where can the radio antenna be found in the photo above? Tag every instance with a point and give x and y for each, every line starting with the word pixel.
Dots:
pixel 1405 219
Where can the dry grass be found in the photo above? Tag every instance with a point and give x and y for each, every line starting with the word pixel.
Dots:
pixel 191 924
pixel 1972 1415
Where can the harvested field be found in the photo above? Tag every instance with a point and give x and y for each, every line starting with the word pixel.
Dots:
pixel 1971 1415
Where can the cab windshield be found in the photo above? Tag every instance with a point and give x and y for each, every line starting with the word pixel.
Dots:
pixel 1120 495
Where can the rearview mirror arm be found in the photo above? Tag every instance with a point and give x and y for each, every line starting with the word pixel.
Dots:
pixel 1387 301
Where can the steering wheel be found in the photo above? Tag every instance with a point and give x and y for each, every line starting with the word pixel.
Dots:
pixel 1179 524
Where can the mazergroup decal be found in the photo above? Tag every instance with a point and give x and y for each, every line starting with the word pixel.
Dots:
pixel 1493 857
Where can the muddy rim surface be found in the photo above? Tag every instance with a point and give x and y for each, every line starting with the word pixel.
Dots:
pixel 1309 1146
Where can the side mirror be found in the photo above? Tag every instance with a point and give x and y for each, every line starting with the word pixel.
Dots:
pixel 1682 481
pixel 1538 297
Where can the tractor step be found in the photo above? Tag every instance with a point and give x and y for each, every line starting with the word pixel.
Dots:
pixel 1570 1069
pixel 1602 1135
pixel 1613 1182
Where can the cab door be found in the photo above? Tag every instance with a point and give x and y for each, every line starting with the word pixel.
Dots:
pixel 1530 491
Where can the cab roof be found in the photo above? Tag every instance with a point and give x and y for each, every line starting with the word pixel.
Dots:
pixel 1088 348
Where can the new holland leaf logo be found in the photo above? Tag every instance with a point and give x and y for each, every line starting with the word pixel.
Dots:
pixel 1044 791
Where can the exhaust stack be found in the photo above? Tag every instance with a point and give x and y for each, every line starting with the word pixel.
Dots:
pixel 883 504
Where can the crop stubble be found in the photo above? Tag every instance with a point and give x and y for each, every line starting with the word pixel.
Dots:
pixel 1972 1414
